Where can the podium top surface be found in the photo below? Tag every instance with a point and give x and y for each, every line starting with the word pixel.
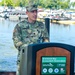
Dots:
pixel 60 45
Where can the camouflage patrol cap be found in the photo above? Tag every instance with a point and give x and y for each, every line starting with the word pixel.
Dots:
pixel 31 7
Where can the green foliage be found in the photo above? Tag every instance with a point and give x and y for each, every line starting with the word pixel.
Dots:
pixel 52 4
pixel 55 4
pixel 6 2
pixel 73 4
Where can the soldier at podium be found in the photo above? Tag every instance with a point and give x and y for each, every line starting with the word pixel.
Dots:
pixel 29 31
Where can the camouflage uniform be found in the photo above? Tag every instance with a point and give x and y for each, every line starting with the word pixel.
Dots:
pixel 29 33
pixel 26 33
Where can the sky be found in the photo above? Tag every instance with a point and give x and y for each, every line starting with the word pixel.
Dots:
pixel 72 0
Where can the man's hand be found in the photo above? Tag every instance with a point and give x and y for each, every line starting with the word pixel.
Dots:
pixel 46 39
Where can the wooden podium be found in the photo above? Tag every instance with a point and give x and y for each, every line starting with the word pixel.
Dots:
pixel 48 59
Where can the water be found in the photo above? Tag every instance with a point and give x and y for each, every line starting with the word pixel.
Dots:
pixel 62 33
pixel 8 53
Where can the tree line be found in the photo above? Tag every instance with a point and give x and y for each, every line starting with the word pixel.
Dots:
pixel 52 4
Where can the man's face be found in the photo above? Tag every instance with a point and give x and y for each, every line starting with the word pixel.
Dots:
pixel 32 15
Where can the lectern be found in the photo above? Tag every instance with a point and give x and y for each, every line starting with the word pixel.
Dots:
pixel 47 59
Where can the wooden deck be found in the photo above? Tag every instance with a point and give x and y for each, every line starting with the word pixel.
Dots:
pixel 7 73
pixel 10 73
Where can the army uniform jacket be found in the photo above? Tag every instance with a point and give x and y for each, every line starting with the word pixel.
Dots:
pixel 26 33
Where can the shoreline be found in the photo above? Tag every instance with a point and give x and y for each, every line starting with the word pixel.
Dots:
pixel 59 21
pixel 64 21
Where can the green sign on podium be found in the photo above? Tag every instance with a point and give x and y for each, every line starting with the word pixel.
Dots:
pixel 53 65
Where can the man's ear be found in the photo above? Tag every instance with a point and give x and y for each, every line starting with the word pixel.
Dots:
pixel 26 12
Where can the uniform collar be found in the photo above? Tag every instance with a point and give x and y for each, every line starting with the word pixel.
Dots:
pixel 29 22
